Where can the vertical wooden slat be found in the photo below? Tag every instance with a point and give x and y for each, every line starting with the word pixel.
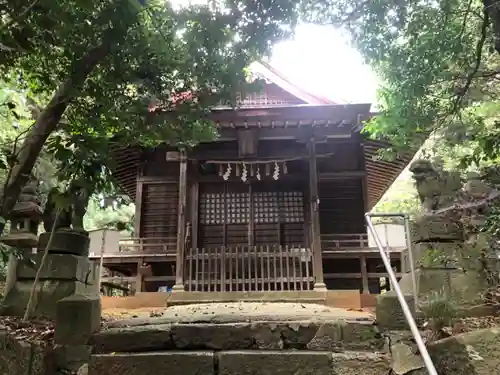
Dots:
pixel 181 223
pixel 201 256
pixel 229 261
pixel 287 259
pixel 223 269
pixel 301 271
pixel 214 279
pixel 268 273
pixel 189 268
pixel 282 276
pixel 237 267
pixel 208 254
pixel 262 273
pixel 197 270
pixel 275 271
pixel 294 270
pixel 249 265
pixel 251 221
pixel 224 217
pixel 308 259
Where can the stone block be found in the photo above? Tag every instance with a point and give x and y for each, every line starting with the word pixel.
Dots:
pixel 328 337
pixel 275 363
pixel 15 356
pixel 133 339
pixel 171 363
pixel 267 336
pixel 438 254
pixel 389 314
pixel 346 336
pixel 361 336
pixel 57 266
pixel 71 357
pixel 39 350
pixel 464 288
pixel 435 228
pixel 212 336
pixel 359 363
pixel 296 335
pixel 77 318
pixel 66 242
pixel 261 335
pixel 476 352
pixel 48 293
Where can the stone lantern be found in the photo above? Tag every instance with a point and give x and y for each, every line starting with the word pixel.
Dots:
pixel 25 219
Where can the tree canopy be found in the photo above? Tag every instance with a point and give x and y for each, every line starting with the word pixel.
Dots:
pixel 438 62
pixel 90 70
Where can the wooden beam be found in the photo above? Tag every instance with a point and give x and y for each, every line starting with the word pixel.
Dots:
pixel 314 208
pixel 342 175
pixel 157 179
pixel 181 225
pixel 327 132
pixel 349 113
pixel 357 275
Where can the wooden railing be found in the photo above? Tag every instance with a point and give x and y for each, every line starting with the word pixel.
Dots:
pixel 332 242
pixel 249 268
pixel 151 245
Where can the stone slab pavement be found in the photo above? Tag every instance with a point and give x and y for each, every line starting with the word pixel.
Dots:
pixel 236 312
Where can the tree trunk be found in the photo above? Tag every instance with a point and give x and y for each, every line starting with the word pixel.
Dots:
pixel 45 124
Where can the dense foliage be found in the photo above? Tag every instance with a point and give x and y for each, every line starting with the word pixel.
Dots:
pixel 92 69
pixel 438 62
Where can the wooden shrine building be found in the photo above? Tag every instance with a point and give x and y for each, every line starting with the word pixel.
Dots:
pixel 277 202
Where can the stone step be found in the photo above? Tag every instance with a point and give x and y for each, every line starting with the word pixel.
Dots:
pixel 334 336
pixel 247 362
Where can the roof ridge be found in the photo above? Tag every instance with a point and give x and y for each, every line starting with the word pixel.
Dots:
pixel 278 78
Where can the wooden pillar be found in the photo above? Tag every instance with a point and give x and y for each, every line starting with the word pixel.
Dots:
pixel 181 224
pixel 319 283
pixel 364 275
pixel 139 278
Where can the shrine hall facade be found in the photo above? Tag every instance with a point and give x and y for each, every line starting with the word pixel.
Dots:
pixel 277 202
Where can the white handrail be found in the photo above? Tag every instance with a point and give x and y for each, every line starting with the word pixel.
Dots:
pixel 394 281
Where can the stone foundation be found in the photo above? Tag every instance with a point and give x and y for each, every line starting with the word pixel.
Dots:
pixel 64 274
pixel 242 338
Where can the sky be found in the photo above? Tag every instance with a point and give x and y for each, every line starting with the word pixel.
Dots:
pixel 320 60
